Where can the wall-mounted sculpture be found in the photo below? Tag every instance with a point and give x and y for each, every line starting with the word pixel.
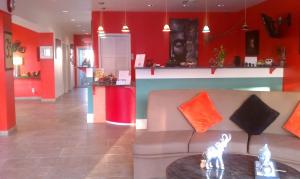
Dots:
pixel 276 28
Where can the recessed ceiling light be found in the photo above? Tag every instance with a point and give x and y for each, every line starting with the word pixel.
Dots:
pixel 65 11
pixel 149 5
pixel 185 5
pixel 73 20
pixel 220 5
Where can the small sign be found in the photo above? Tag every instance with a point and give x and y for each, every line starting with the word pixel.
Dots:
pixel 140 60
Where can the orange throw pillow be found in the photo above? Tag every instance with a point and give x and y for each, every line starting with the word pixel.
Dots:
pixel 293 124
pixel 200 112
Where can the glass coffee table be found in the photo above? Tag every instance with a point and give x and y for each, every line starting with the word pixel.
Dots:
pixel 236 167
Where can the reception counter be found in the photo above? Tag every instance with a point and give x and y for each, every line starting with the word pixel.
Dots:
pixel 113 104
pixel 149 79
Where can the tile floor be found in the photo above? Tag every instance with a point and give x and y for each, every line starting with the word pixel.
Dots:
pixel 53 141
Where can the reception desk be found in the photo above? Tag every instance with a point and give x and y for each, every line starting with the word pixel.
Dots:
pixel 113 104
pixel 149 79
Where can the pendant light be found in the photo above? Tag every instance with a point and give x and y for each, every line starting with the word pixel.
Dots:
pixel 125 28
pixel 245 26
pixel 166 26
pixel 205 28
pixel 101 32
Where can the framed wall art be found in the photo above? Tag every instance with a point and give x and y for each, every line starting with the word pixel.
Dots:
pixel 8 51
pixel 46 52
pixel 252 43
pixel 184 41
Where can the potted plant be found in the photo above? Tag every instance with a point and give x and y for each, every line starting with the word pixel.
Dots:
pixel 220 55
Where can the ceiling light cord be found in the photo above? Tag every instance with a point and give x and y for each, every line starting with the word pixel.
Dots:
pixel 125 3
pixel 245 4
pixel 166 7
pixel 206 12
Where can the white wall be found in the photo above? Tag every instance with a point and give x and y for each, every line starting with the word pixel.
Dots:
pixel 3 5
pixel 29 25
pixel 63 76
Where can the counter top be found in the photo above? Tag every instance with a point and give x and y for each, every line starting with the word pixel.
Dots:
pixel 112 85
pixel 214 72
pixel 208 67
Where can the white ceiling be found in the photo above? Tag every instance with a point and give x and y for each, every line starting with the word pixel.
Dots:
pixel 48 13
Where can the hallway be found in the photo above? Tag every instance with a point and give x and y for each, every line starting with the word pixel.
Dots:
pixel 53 140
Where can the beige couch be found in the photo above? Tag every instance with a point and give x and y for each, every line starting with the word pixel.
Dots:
pixel 169 136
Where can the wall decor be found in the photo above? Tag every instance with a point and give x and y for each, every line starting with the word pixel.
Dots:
pixel 8 52
pixel 275 27
pixel 252 43
pixel 46 52
pixel 184 42
pixel 16 46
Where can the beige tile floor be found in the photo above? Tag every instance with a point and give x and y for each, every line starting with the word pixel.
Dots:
pixel 53 141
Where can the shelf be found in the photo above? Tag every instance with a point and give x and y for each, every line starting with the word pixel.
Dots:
pixel 27 78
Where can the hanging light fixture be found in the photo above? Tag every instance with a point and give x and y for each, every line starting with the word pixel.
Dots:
pixel 100 30
pixel 205 28
pixel 166 26
pixel 245 26
pixel 125 28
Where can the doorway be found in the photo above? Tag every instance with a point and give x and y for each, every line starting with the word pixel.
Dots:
pixel 85 59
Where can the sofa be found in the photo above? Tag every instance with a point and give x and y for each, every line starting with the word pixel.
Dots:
pixel 169 136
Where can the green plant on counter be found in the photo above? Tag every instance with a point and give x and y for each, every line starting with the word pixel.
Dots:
pixel 220 55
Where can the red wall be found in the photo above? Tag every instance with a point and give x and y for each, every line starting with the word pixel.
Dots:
pixel 147 36
pixel 7 102
pixel 28 39
pixel 80 40
pixel 47 68
pixel 268 45
pixel 31 40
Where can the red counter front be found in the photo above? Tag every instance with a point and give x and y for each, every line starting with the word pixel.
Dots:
pixel 114 104
pixel 120 104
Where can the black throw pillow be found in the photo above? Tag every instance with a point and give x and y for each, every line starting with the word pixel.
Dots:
pixel 254 116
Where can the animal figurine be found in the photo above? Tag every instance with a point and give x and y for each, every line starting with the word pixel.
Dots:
pixel 215 152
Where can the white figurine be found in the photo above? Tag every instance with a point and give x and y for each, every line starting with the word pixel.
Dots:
pixel 216 152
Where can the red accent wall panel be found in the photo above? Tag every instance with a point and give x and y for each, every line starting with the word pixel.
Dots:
pixel 29 39
pixel 147 36
pixel 7 102
pixel 23 88
pixel 47 68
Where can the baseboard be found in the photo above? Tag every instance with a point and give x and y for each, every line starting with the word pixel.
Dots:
pixel 28 98
pixel 48 100
pixel 8 132
pixel 90 118
pixel 141 124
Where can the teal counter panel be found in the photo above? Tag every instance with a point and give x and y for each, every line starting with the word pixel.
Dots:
pixel 144 86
